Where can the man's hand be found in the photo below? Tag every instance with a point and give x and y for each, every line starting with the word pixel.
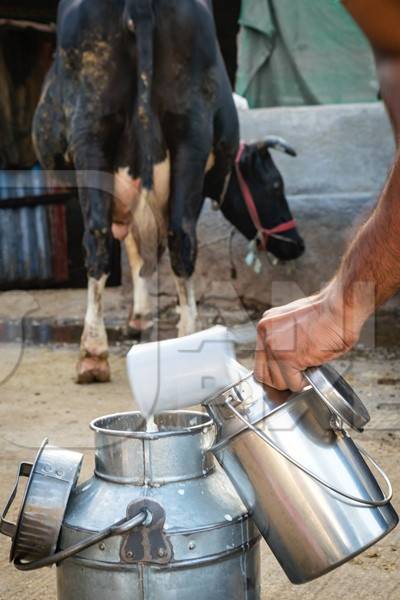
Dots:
pixel 314 330
pixel 305 333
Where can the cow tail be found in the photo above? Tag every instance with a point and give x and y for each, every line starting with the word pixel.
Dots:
pixel 145 51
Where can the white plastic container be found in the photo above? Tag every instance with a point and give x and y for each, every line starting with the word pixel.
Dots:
pixel 175 374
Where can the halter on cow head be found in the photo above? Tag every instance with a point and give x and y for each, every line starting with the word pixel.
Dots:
pixel 255 201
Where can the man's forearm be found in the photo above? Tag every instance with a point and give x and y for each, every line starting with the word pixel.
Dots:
pixel 314 330
pixel 370 270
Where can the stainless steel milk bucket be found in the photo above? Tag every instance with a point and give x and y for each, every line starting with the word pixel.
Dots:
pixel 304 481
pixel 201 545
pixel 159 519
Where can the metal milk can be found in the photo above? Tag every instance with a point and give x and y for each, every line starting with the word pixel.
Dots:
pixel 305 482
pixel 158 519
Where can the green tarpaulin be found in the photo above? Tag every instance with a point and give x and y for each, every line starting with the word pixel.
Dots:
pixel 296 52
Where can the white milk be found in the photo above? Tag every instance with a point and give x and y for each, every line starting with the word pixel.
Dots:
pixel 151 426
pixel 179 373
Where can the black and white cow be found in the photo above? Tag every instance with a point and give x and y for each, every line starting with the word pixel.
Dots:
pixel 138 94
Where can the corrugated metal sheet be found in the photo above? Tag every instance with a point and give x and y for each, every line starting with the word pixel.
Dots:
pixel 33 236
pixel 25 184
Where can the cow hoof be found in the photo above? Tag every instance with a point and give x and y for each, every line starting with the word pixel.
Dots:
pixel 93 369
pixel 138 326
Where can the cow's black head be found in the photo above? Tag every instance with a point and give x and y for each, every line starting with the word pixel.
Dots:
pixel 267 189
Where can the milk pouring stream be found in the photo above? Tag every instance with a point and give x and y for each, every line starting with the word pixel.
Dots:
pixel 175 374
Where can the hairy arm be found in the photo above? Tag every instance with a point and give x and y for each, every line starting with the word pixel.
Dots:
pixel 374 256
pixel 316 329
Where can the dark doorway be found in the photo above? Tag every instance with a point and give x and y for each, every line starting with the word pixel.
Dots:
pixel 227 13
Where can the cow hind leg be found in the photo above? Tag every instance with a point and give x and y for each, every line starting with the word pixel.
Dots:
pixel 95 183
pixel 93 363
pixel 48 131
pixel 140 316
pixel 187 306
pixel 190 158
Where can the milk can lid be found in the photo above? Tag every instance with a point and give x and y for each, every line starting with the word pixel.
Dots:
pixel 51 480
pixel 338 395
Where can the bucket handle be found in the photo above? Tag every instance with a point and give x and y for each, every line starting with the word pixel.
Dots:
pixel 119 528
pixel 10 530
pixel 271 443
pixel 6 528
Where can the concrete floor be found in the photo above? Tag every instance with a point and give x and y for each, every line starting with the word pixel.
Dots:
pixel 38 398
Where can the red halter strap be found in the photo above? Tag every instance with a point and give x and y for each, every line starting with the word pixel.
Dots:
pixel 263 233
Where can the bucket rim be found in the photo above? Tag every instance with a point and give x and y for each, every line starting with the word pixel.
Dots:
pixel 151 435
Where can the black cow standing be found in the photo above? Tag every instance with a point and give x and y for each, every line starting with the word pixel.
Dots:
pixel 139 104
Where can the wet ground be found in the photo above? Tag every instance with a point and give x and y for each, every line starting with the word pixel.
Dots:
pixel 38 398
